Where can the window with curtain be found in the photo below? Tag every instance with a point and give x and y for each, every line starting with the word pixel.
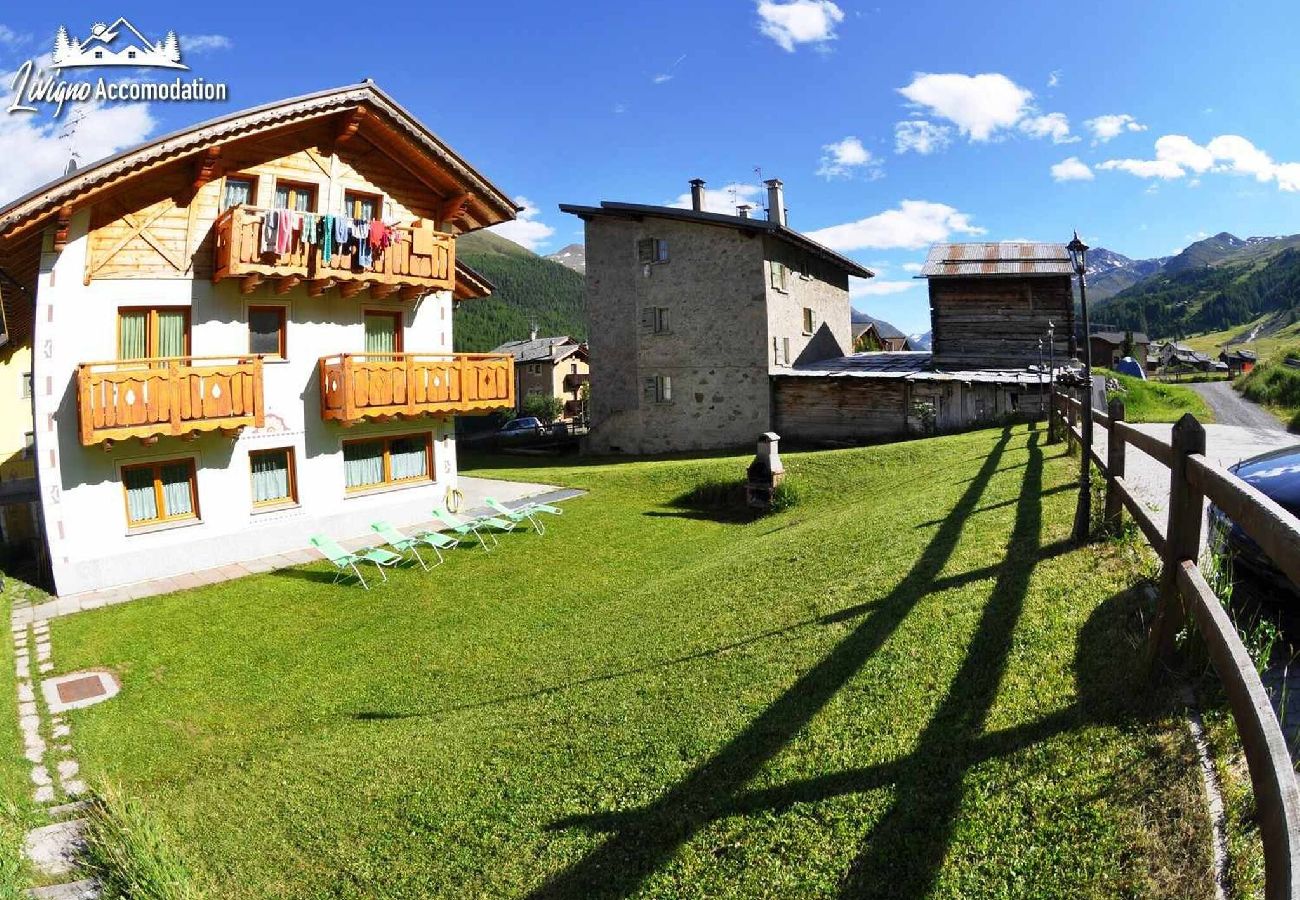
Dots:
pixel 290 195
pixel 384 461
pixel 160 492
pixel 273 476
pixel 143 333
pixel 361 206
pixel 383 332
pixel 266 331
pixel 238 190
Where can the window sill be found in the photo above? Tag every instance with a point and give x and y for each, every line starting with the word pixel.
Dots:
pixel 806 333
pixel 162 526
pixel 269 508
pixel 274 361
pixel 348 493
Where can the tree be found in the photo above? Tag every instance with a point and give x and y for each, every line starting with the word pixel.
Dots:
pixel 63 46
pixel 172 47
pixel 1126 349
pixel 584 398
pixel 548 409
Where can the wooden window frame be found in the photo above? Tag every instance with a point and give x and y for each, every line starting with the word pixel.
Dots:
pixel 399 327
pixel 809 320
pixel 663 389
pixel 27 385
pixel 294 185
pixel 351 198
pixel 151 329
pixel 662 320
pixel 238 176
pixel 652 251
pixel 159 503
pixel 282 353
pixel 291 458
pixel 388 481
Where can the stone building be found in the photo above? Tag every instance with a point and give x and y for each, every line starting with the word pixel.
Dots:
pixel 691 313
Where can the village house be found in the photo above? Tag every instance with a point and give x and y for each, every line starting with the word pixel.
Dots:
pixel 1176 358
pixel 691 313
pixel 870 333
pixel 244 335
pixel 551 367
pixel 991 305
pixel 1108 347
pixel 1239 362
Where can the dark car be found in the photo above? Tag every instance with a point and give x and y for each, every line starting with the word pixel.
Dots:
pixel 521 428
pixel 1276 475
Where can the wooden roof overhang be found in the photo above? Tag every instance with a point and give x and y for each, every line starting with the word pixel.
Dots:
pixel 470 285
pixel 466 200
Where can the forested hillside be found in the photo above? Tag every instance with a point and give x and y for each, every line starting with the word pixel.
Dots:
pixel 1208 298
pixel 529 291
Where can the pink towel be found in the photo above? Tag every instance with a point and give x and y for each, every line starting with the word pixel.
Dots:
pixel 284 234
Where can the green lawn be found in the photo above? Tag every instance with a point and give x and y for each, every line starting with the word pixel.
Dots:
pixel 1154 401
pixel 907 684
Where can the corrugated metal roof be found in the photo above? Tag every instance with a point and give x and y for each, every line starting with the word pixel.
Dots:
pixel 997 258
pixel 911 366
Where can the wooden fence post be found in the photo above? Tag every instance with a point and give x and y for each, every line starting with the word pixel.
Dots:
pixel 1182 537
pixel 1053 431
pixel 1071 419
pixel 1114 465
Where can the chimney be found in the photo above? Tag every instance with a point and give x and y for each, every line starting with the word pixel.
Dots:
pixel 743 210
pixel 532 335
pixel 697 194
pixel 775 201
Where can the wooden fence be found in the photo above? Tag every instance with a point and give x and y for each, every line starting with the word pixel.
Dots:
pixel 1185 595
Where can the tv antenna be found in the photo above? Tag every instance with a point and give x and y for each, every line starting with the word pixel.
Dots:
pixel 69 134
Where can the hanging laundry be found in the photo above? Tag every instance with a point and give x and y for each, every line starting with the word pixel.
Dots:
pixel 379 236
pixel 327 238
pixel 270 227
pixel 361 231
pixel 342 231
pixel 309 228
pixel 284 232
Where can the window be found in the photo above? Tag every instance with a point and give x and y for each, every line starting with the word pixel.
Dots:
pixel 362 206
pixel 272 471
pixel 573 368
pixel 160 492
pixel 376 462
pixel 805 267
pixel 296 196
pixel 152 333
pixel 29 445
pixel 661 320
pixel 383 331
pixel 99 54
pixel 809 321
pixel 27 385
pixel 781 351
pixel 130 54
pixel 652 250
pixel 237 190
pixel 663 389
pixel 779 274
pixel 535 369
pixel 266 331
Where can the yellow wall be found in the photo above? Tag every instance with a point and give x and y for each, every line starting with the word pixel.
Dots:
pixel 15 413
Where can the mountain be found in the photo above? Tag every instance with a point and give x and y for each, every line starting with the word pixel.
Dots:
pixel 1110 272
pixel 1207 252
pixel 921 341
pixel 574 256
pixel 530 291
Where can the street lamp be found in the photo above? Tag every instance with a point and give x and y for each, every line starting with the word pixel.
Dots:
pixel 1083 512
pixel 1051 381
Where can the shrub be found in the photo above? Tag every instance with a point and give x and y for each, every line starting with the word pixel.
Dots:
pixel 786 495
pixel 548 409
pixel 129 854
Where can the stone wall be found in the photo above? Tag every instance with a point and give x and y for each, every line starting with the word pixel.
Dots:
pixel 810 283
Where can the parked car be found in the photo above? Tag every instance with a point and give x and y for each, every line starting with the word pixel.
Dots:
pixel 1276 475
pixel 522 428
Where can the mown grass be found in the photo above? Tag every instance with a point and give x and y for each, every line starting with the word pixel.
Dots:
pixel 1275 385
pixel 907 684
pixel 17 813
pixel 1153 401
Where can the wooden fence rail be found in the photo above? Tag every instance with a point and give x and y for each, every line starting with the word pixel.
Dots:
pixel 1186 596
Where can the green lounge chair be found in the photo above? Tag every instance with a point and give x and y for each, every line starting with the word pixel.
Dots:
pixel 403 544
pixel 528 511
pixel 343 560
pixel 474 526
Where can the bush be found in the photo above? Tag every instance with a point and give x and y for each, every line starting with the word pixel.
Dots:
pixel 548 409
pixel 786 495
pixel 129 855
pixel 1274 383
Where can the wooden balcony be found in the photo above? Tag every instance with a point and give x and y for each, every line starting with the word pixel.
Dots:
pixel 574 381
pixel 179 396
pixel 355 387
pixel 399 269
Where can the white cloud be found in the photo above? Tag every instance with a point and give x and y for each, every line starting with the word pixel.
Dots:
pixel 914 224
pixel 1177 155
pixel 920 136
pixel 1054 125
pixel 11 38
pixel 34 138
pixel 526 231
pixel 979 105
pixel 842 159
pixel 1105 128
pixel 874 287
pixel 202 43
pixel 722 200
pixel 1054 78
pixel 1072 169
pixel 661 78
pixel 912 267
pixel 799 22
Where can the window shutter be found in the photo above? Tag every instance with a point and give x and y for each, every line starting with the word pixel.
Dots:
pixel 645 250
pixel 649 390
pixel 647 318
pixel 668 388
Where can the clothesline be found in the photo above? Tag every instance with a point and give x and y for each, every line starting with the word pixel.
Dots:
pixel 282 229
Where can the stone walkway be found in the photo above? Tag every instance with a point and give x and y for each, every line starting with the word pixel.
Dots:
pixel 511 493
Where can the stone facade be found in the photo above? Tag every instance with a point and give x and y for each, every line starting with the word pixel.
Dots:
pixel 711 319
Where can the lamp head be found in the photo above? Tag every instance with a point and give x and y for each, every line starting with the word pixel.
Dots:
pixel 1078 253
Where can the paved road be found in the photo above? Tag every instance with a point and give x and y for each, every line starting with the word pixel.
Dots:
pixel 1230 408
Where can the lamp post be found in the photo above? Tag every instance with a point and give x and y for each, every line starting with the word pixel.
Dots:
pixel 1051 382
pixel 1042 407
pixel 1083 512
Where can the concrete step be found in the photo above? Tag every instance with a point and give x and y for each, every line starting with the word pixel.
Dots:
pixel 53 849
pixel 86 889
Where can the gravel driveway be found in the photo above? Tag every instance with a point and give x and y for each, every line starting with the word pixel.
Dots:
pixel 1230 408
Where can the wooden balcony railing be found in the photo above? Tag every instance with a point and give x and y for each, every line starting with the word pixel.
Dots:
pixel 398 269
pixel 573 380
pixel 179 396
pixel 359 386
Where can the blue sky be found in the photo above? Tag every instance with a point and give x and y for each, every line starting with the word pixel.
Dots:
pixel 891 124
